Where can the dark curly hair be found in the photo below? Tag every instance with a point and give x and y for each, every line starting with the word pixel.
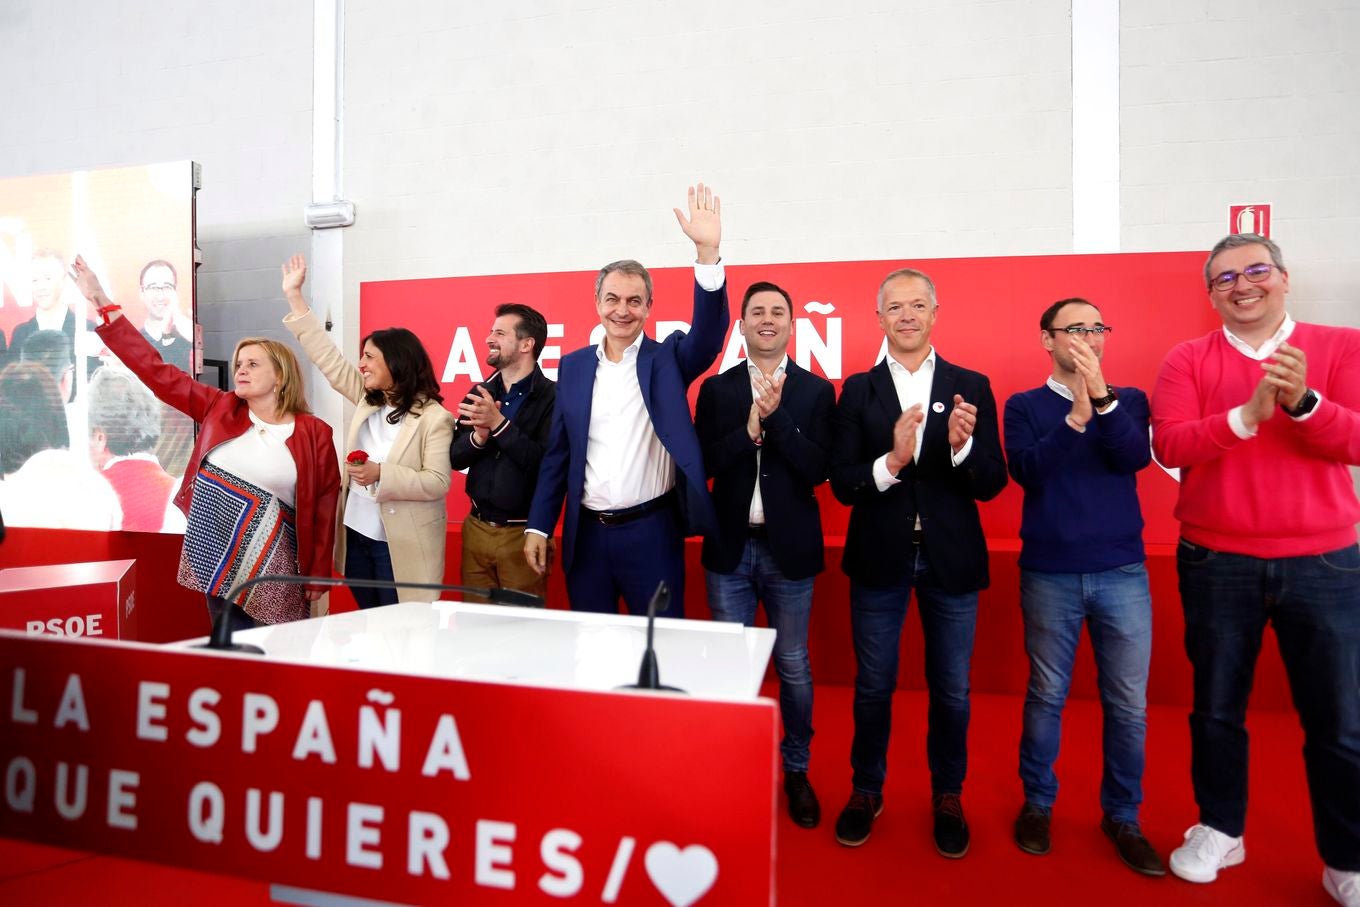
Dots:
pixel 413 378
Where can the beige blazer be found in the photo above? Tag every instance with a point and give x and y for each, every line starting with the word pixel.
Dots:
pixel 415 476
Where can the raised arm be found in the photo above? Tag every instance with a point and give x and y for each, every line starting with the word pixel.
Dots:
pixel 700 347
pixel 171 385
pixel 342 376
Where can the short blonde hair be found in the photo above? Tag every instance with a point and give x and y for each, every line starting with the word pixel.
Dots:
pixel 291 394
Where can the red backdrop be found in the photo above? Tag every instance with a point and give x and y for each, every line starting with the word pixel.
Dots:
pixel 988 321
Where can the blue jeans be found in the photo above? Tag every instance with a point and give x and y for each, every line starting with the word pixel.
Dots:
pixel 876 617
pixel 367 558
pixel 788 605
pixel 1314 605
pixel 1116 607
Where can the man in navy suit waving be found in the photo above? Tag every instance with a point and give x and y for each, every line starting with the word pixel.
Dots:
pixel 765 427
pixel 622 452
pixel 915 448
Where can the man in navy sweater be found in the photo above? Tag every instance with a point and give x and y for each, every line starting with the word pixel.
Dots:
pixel 1075 445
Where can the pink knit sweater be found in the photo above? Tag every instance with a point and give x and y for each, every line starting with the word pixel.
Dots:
pixel 1286 492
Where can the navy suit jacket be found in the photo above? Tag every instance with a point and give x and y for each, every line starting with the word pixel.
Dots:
pixel 944 495
pixel 793 462
pixel 665 372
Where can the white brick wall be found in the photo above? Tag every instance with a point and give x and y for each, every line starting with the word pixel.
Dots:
pixel 499 139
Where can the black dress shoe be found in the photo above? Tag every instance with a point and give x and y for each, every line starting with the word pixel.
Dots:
pixel 1132 847
pixel 857 819
pixel 951 829
pixel 1031 829
pixel 804 809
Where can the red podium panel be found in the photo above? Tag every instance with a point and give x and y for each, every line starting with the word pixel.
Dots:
pixel 402 788
pixel 97 598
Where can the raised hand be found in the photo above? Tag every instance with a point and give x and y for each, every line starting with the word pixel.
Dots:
pixel 904 438
pixel 90 288
pixel 294 275
pixel 962 420
pixel 704 226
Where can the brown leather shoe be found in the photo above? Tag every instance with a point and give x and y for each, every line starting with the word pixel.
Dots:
pixel 1031 829
pixel 1132 847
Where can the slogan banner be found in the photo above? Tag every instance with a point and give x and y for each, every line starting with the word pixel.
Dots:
pixel 393 787
pixel 988 321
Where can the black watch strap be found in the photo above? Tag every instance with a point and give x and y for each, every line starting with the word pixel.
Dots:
pixel 1307 403
pixel 1101 402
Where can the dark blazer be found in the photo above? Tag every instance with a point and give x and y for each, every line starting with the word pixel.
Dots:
pixel 501 475
pixel 944 495
pixel 793 462
pixel 665 372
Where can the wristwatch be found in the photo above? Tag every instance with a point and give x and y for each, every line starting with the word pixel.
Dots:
pixel 1110 397
pixel 1307 403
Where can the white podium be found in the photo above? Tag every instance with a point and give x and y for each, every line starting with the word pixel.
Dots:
pixel 560 649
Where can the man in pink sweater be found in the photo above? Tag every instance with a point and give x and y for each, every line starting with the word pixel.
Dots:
pixel 1263 419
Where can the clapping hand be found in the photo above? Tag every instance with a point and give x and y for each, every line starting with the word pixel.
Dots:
pixel 962 421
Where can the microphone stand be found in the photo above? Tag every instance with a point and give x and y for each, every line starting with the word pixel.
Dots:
pixel 221 629
pixel 649 675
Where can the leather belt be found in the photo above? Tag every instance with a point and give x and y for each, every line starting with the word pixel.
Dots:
pixel 495 524
pixel 757 531
pixel 629 514
pixel 917 536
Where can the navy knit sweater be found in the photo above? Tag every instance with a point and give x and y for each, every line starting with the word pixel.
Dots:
pixel 1081 511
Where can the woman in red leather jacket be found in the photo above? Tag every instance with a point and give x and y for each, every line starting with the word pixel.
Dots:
pixel 261 486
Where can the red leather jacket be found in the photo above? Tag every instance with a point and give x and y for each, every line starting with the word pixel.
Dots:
pixel 222 416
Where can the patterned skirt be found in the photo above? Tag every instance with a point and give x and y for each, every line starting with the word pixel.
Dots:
pixel 238 531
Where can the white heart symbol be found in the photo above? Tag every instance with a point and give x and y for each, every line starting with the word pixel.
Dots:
pixel 682 876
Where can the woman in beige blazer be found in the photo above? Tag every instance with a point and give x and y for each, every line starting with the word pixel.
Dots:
pixel 392 520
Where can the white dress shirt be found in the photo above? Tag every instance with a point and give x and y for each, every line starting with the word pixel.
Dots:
pixel 756 516
pixel 913 388
pixel 375 438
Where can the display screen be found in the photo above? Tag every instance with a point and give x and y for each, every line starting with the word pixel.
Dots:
pixel 83 444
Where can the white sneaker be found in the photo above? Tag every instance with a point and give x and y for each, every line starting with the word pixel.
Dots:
pixel 1342 885
pixel 1205 851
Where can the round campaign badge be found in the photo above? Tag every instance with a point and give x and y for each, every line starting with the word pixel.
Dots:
pixel 937 406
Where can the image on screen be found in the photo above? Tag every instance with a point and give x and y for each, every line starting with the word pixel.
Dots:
pixel 83 444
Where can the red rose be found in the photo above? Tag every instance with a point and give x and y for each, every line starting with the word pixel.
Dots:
pixel 357 458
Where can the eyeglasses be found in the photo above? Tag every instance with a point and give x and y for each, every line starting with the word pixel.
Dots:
pixel 158 287
pixel 1077 330
pixel 1254 273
